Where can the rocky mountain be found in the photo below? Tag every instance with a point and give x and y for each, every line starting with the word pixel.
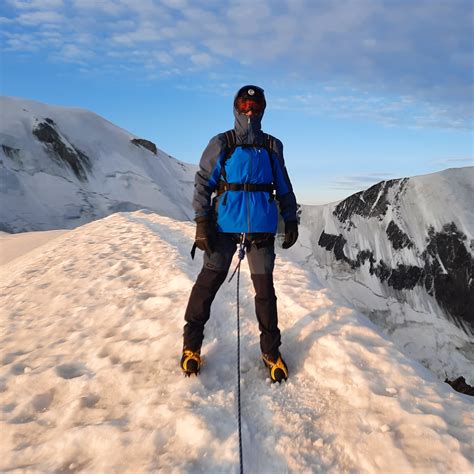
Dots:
pixel 62 167
pixel 402 252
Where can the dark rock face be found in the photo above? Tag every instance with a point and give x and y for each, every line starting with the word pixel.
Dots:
pixel 145 144
pixel 397 237
pixel 461 386
pixel 405 277
pixel 372 202
pixel 46 132
pixel 447 273
pixel 334 243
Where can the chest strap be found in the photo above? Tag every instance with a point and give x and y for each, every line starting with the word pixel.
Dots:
pixel 248 187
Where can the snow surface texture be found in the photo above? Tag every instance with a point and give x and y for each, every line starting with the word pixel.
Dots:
pixel 90 340
pixel 415 319
pixel 62 167
pixel 16 245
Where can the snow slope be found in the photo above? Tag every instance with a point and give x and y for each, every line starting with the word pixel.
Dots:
pixel 402 252
pixel 90 339
pixel 62 167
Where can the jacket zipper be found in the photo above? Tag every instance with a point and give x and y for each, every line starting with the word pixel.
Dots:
pixel 250 169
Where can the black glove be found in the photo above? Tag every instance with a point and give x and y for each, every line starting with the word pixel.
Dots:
pixel 291 234
pixel 205 234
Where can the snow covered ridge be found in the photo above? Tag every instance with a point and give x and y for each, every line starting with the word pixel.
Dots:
pixel 402 252
pixel 62 167
pixel 90 341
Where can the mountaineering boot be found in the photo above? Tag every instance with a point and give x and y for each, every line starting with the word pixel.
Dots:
pixel 191 362
pixel 276 366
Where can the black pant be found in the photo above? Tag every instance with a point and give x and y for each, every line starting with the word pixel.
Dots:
pixel 214 271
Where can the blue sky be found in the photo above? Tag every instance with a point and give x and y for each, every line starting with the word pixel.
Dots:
pixel 357 90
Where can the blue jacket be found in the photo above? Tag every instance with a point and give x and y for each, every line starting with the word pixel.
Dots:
pixel 244 211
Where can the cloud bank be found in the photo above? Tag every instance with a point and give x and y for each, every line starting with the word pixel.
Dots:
pixel 400 57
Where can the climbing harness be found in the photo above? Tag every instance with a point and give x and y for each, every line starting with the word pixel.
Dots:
pixel 237 269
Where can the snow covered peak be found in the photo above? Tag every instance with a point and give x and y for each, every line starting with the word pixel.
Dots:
pixel 435 198
pixel 402 252
pixel 61 167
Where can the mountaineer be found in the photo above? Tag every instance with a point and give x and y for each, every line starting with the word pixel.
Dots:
pixel 245 169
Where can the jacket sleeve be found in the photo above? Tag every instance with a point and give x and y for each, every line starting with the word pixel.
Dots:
pixel 208 175
pixel 283 187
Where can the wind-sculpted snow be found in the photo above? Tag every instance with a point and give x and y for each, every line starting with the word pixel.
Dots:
pixel 62 167
pixel 90 341
pixel 408 264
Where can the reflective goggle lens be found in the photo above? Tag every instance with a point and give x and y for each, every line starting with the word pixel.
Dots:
pixel 245 105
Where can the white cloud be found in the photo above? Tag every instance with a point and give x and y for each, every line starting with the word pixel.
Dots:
pixel 111 7
pixel 405 55
pixel 162 57
pixel 178 4
pixel 145 33
pixel 201 59
pixel 183 49
pixel 360 182
pixel 122 25
pixel 464 161
pixel 20 43
pixel 71 51
pixel 40 17
pixel 50 39
pixel 36 4
pixel 344 102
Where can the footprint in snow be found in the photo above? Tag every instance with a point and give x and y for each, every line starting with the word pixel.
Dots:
pixel 89 401
pixel 145 296
pixel 71 370
pixel 42 401
pixel 8 408
pixel 8 358
pixel 22 418
pixel 19 369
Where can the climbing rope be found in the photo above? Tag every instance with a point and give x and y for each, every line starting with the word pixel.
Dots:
pixel 237 269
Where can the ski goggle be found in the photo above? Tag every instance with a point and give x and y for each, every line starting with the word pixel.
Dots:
pixel 244 105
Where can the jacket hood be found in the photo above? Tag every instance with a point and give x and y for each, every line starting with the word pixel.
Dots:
pixel 248 129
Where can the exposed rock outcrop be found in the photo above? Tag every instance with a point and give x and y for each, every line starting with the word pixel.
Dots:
pixel 447 272
pixel 372 202
pixel 145 144
pixel 61 150
pixel 461 386
pixel 12 153
pixel 397 237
